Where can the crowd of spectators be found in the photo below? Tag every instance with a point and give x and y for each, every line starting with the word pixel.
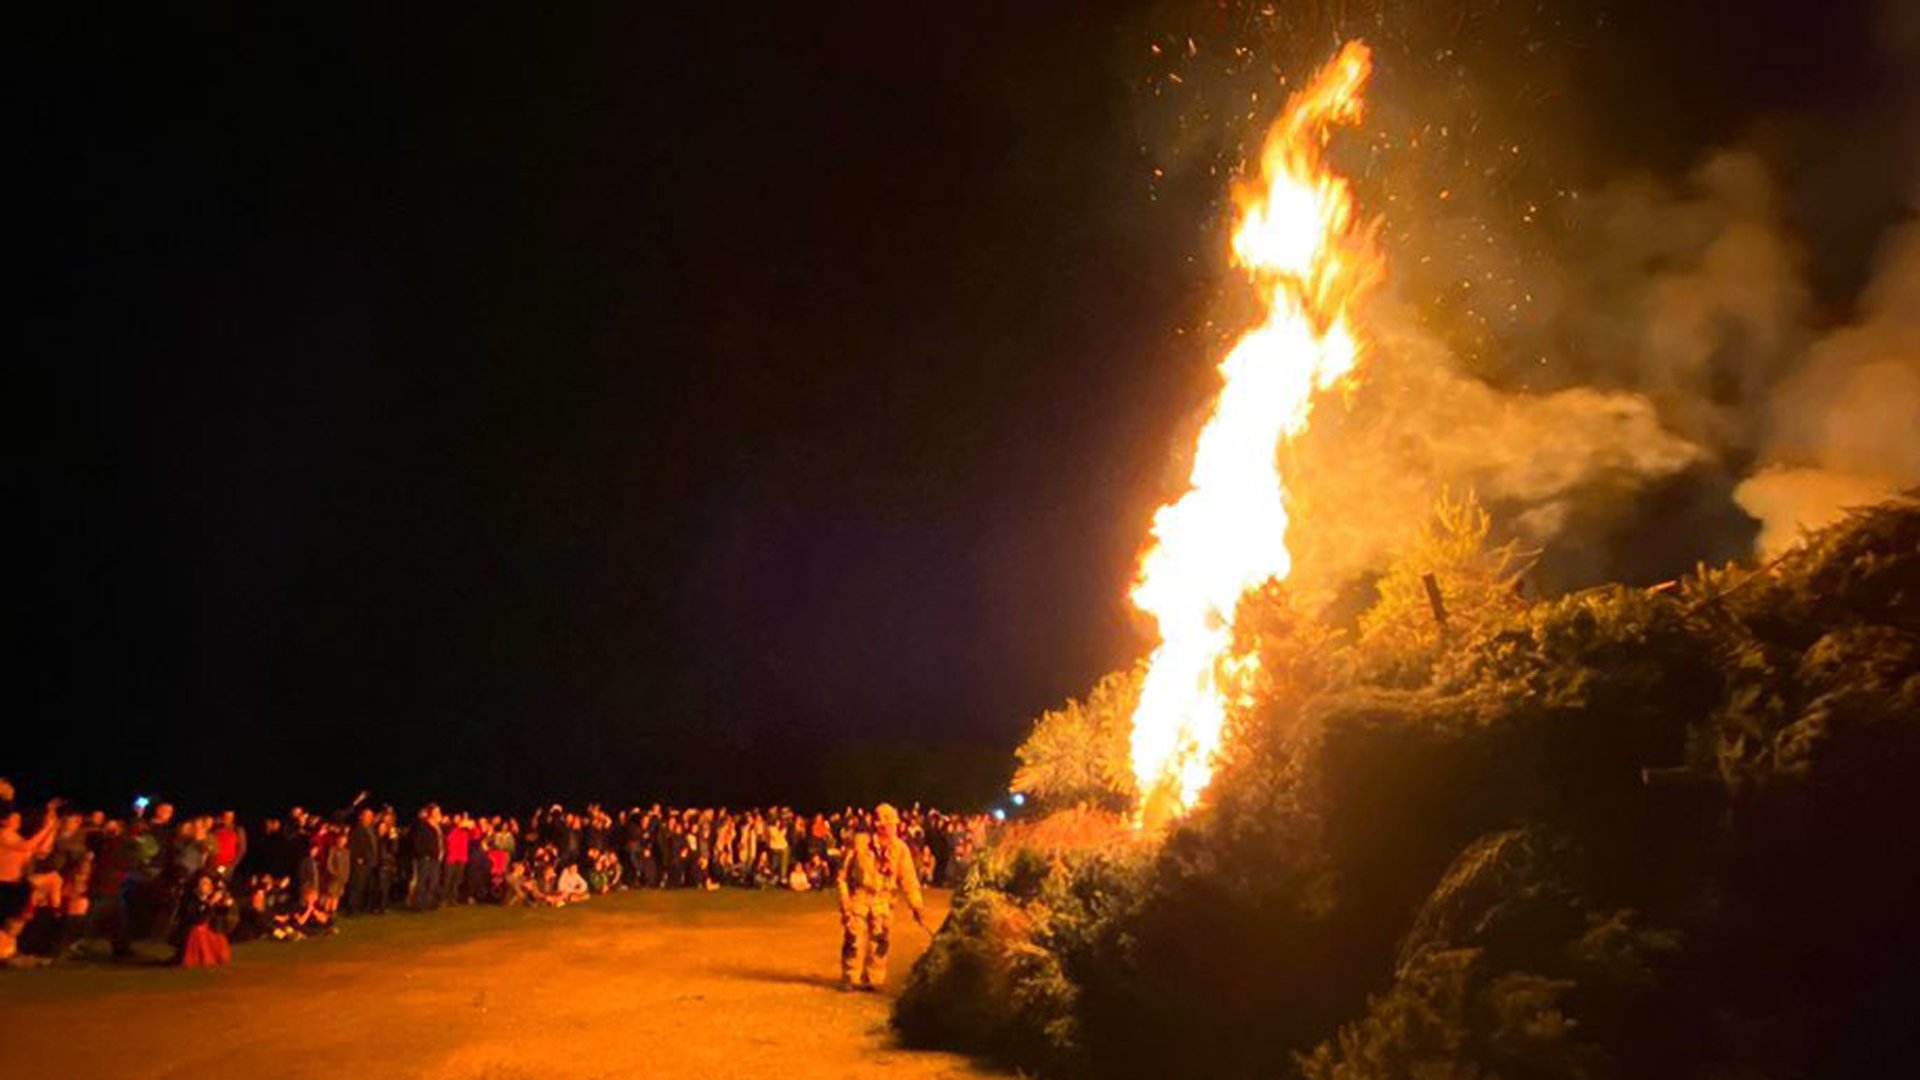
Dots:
pixel 201 884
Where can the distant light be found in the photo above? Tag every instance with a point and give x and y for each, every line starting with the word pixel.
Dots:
pixel 999 814
pixel 1019 799
pixel 141 803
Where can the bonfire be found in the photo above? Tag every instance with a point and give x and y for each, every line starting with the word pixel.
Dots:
pixel 1312 260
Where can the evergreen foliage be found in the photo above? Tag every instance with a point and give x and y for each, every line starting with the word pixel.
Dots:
pixel 1478 582
pixel 1635 833
pixel 1077 755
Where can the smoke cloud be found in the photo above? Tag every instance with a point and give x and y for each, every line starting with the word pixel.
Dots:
pixel 1844 424
pixel 1634 370
pixel 1692 297
pixel 1685 405
pixel 1365 473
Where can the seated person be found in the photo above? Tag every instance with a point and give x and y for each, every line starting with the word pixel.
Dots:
pixel 521 890
pixel 200 936
pixel 10 954
pixel 310 918
pixel 610 871
pixel 255 919
pixel 571 887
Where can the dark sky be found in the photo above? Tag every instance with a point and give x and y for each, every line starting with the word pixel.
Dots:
pixel 623 403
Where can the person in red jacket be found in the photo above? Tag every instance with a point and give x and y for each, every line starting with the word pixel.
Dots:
pixel 453 884
pixel 229 846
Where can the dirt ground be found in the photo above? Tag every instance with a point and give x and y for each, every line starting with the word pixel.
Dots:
pixel 681 984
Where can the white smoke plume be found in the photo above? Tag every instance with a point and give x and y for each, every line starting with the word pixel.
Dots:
pixel 1365 473
pixel 1659 337
pixel 1686 354
pixel 1723 308
pixel 1633 376
pixel 1844 425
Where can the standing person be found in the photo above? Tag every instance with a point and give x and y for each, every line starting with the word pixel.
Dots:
pixel 478 887
pixel 192 851
pixel 112 886
pixel 229 843
pixel 593 830
pixel 426 846
pixel 778 850
pixel 270 855
pixel 162 894
pixel 633 840
pixel 162 827
pixel 820 838
pixel 70 843
pixel 673 850
pixel 363 855
pixel 665 840
pixel 306 859
pixel 874 866
pixel 500 847
pixel 459 841
pixel 753 837
pixel 387 866
pixel 336 866
pixel 647 873
pixel 17 853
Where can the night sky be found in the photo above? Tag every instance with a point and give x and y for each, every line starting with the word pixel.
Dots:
pixel 624 404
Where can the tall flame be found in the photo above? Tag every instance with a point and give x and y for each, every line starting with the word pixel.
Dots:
pixel 1298 240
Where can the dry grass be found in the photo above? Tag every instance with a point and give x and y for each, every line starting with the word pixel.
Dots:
pixel 1076 829
pixel 679 984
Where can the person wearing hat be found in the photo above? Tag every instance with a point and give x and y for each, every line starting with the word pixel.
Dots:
pixel 874 866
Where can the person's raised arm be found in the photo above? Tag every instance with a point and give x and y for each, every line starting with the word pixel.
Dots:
pixel 42 841
pixel 840 875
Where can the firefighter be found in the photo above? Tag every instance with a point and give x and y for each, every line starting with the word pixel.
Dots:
pixel 874 866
